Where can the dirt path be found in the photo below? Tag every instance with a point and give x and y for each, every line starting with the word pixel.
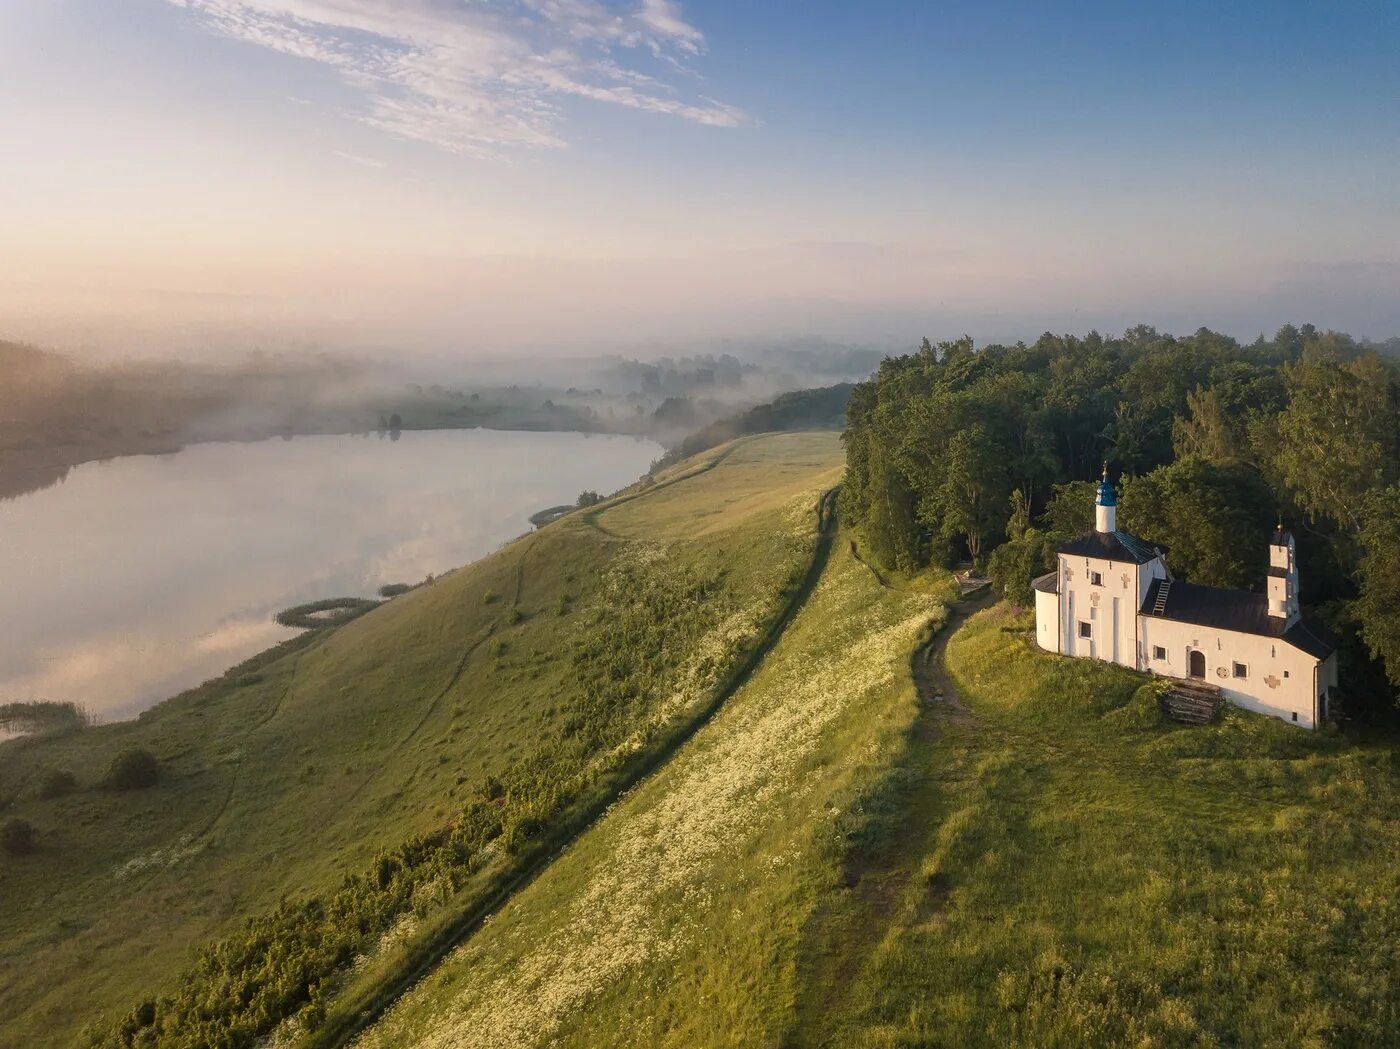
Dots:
pixel 842 936
pixel 937 692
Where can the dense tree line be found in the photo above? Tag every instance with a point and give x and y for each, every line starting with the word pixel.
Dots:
pixel 823 408
pixel 958 452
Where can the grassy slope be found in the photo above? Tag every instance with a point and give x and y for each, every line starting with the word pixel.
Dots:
pixel 830 864
pixel 679 919
pixel 280 781
pixel 1080 874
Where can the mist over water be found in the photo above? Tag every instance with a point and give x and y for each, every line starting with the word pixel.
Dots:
pixel 144 575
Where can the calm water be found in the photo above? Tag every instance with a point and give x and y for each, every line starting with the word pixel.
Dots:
pixel 142 576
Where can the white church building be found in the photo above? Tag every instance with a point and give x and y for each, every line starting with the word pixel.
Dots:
pixel 1112 597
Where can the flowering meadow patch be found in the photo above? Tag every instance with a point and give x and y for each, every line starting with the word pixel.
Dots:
pixel 638 893
pixel 648 649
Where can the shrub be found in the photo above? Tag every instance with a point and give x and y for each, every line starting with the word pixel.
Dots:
pixel 134 769
pixel 17 837
pixel 394 589
pixel 331 611
pixel 57 782
pixel 490 597
pixel 514 616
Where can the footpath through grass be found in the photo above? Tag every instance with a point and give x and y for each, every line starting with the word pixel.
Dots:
pixel 1080 873
pixel 678 919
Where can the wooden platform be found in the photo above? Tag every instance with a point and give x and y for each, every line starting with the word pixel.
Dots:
pixel 1191 702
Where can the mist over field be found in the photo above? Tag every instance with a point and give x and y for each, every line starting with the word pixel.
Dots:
pixel 586 524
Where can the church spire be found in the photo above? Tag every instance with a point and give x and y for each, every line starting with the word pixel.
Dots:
pixel 1106 505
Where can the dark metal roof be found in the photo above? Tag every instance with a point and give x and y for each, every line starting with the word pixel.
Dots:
pixel 1111 546
pixel 1237 610
pixel 1049 583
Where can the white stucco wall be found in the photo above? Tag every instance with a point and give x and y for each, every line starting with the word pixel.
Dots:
pixel 1279 678
pixel 1109 608
pixel 1047 621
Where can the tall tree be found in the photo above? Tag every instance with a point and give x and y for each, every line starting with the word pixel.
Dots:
pixel 967 502
pixel 1214 518
pixel 1378 606
pixel 1338 439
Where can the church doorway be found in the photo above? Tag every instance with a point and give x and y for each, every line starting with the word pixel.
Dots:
pixel 1196 663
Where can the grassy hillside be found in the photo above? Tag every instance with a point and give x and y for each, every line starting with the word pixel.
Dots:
pixel 303 767
pixel 1080 874
pixel 1027 857
pixel 681 918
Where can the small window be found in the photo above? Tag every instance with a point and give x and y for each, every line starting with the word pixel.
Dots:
pixel 1285 673
pixel 1084 629
pixel 1158 652
pixel 1295 715
pixel 1241 670
pixel 1096 578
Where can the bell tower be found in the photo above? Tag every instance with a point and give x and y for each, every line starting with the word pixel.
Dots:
pixel 1283 577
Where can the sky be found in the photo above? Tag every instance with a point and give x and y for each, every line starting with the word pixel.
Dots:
pixel 510 177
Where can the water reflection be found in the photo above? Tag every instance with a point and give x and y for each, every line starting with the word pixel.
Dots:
pixel 147 574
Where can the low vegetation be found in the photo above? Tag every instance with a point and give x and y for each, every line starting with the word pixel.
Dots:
pixel 1080 873
pixel 330 814
pixel 679 919
pixel 55 783
pixel 134 769
pixel 17 836
pixel 330 611
pixel 42 717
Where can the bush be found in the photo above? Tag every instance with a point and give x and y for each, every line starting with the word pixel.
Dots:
pixel 331 611
pixel 57 782
pixel 394 589
pixel 17 837
pixel 134 769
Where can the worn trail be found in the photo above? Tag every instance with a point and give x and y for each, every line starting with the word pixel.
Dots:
pixel 341 1032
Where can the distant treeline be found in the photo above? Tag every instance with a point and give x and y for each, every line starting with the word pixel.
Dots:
pixel 821 409
pixel 989 453
pixel 42 717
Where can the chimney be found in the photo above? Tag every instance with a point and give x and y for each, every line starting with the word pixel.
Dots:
pixel 1283 577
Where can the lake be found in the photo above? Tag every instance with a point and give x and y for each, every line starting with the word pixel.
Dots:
pixel 141 576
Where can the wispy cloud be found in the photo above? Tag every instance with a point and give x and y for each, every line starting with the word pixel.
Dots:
pixel 482 77
pixel 355 158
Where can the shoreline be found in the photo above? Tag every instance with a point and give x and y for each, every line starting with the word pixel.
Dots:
pixel 26 470
pixel 298 632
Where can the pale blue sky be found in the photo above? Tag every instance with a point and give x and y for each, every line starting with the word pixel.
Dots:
pixel 479 177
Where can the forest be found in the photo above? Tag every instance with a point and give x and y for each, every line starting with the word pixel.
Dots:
pixel 989 454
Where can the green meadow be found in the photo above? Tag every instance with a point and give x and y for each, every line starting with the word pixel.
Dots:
pixel 1023 853
pixel 674 771
pixel 1076 872
pixel 310 764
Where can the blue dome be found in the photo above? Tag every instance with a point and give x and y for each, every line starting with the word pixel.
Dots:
pixel 1107 496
